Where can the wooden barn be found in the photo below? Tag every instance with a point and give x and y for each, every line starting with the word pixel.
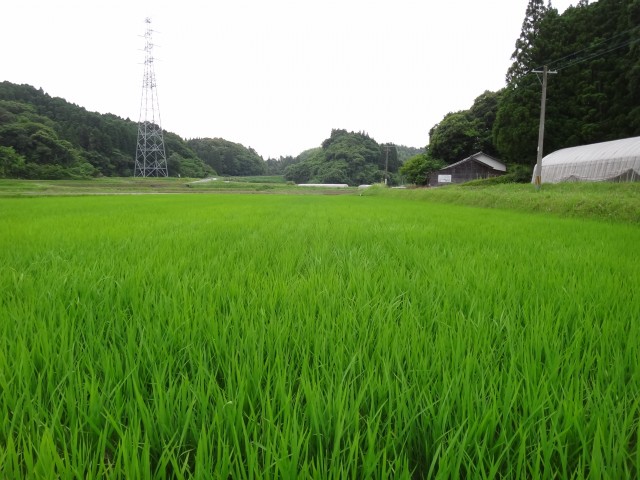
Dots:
pixel 478 165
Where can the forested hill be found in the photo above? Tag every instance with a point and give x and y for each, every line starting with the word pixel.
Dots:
pixel 353 158
pixel 594 96
pixel 44 137
pixel 47 137
pixel 228 157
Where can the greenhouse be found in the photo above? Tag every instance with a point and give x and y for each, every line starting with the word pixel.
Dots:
pixel 616 161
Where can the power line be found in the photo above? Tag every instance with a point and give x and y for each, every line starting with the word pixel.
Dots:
pixel 594 55
pixel 551 64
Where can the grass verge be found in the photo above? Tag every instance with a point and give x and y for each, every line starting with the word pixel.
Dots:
pixel 619 202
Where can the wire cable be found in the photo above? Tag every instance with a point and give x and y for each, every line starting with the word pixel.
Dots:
pixel 594 56
pixel 591 56
pixel 550 65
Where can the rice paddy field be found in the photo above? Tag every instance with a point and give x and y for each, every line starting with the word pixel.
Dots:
pixel 314 336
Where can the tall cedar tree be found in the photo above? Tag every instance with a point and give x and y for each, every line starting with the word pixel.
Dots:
pixel 595 96
pixel 522 57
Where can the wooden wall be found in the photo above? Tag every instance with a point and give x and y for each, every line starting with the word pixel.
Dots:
pixel 464 172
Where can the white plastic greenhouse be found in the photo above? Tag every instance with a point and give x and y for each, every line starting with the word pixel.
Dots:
pixel 618 160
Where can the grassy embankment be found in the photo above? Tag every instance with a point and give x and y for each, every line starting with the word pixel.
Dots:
pixel 619 202
pixel 314 336
pixel 130 185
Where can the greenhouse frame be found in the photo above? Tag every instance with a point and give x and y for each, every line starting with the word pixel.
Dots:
pixel 615 161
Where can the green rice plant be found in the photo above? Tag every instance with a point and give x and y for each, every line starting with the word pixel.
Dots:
pixel 216 336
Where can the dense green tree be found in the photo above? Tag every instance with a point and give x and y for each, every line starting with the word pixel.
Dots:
pixel 306 163
pixel 595 95
pixel 418 169
pixel 332 172
pixel 350 145
pixel 298 172
pixel 227 158
pixel 518 108
pixel 276 166
pixel 483 113
pixel 186 161
pixel 515 131
pixel 461 134
pixel 454 138
pixel 37 144
pixel 405 153
pixel 12 164
pixel 345 157
pixel 189 167
pixel 524 57
pixel 57 139
pixel 67 131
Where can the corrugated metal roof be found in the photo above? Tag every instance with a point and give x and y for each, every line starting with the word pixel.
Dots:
pixel 482 158
pixel 489 160
pixel 616 149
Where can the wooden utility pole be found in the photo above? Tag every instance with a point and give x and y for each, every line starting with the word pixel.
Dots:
pixel 386 162
pixel 543 105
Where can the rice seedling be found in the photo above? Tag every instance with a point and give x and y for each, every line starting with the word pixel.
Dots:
pixel 280 336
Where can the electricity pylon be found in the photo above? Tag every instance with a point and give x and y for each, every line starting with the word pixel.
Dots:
pixel 151 159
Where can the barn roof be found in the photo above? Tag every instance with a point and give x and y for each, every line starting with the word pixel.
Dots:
pixel 595 162
pixel 483 158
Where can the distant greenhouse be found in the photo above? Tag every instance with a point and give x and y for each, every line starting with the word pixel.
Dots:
pixel 616 161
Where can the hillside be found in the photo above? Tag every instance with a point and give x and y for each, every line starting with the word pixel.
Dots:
pixel 227 157
pixel 345 157
pixel 44 137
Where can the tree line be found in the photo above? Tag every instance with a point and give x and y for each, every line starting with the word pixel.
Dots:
pixel 44 137
pixel 594 97
pixel 353 158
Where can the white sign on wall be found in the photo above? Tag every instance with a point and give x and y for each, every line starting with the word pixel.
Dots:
pixel 444 178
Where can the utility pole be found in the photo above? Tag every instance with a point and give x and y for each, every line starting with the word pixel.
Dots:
pixel 543 105
pixel 386 162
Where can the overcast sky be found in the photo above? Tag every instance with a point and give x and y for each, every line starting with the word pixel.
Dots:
pixel 274 75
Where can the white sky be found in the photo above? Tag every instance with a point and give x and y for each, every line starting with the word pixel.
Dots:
pixel 274 75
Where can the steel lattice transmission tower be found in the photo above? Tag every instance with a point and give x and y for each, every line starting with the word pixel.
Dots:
pixel 151 159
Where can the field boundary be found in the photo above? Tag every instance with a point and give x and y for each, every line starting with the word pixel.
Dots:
pixel 616 202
